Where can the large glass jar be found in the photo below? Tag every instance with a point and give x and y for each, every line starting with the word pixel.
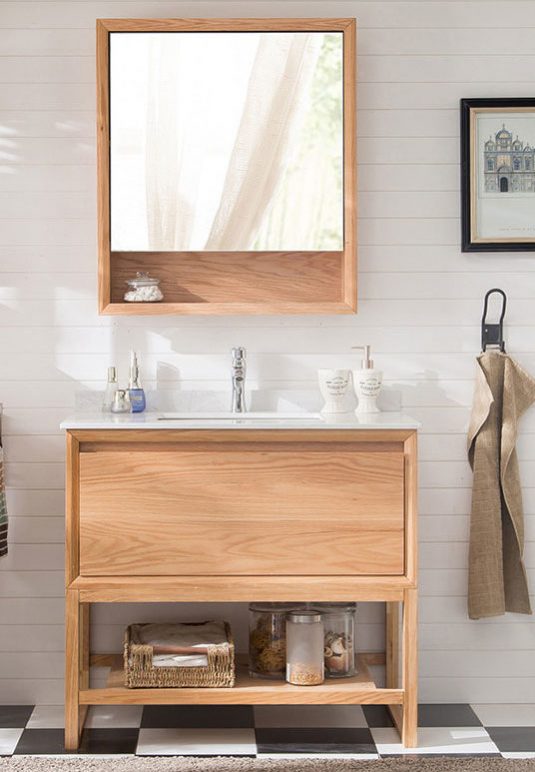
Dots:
pixel 339 638
pixel 304 648
pixel 267 639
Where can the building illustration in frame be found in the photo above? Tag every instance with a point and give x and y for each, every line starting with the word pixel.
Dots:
pixel 509 165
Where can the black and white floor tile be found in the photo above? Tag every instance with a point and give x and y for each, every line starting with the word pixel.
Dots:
pixel 272 731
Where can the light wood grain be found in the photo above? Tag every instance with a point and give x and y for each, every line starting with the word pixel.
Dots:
pixel 253 482
pixel 162 446
pixel 244 511
pixel 239 436
pixel 72 670
pixel 103 167
pixel 392 644
pixel 116 589
pixel 288 503
pixel 228 549
pixel 297 282
pixel 350 166
pixel 411 507
pixel 410 600
pixel 225 309
pixel 72 519
pixel 267 278
pixel 396 712
pixel 256 695
pixel 84 643
pixel 360 689
pixel 409 734
pixel 228 25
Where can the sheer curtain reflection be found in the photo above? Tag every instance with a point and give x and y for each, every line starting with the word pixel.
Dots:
pixel 177 141
pixel 171 157
pixel 215 138
pixel 272 112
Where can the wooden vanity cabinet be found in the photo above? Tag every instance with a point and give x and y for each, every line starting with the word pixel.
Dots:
pixel 243 515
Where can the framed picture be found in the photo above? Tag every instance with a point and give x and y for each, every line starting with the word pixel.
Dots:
pixel 498 174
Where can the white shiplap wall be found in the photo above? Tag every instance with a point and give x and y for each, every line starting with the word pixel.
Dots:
pixel 420 305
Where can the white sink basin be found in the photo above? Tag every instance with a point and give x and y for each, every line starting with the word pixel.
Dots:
pixel 252 416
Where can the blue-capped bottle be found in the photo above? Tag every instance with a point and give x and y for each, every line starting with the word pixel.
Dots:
pixel 135 390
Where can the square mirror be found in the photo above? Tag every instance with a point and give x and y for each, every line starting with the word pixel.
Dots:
pixel 226 164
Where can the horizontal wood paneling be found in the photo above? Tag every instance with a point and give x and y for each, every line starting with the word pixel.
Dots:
pixel 420 305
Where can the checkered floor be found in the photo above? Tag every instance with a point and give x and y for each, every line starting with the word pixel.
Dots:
pixel 279 731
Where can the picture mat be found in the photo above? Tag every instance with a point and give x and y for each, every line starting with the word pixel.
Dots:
pixel 501 216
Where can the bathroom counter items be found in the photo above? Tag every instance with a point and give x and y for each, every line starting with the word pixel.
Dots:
pixel 187 512
pixel 268 421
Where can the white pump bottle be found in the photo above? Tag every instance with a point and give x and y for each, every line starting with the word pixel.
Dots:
pixel 367 382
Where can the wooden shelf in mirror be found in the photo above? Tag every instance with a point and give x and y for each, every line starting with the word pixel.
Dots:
pixel 231 282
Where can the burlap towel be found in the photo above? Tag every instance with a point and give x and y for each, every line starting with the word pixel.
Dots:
pixel 497 579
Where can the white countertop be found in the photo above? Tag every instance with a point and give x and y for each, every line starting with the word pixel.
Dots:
pixel 152 420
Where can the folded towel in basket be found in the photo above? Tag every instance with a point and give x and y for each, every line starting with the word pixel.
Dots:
pixel 181 645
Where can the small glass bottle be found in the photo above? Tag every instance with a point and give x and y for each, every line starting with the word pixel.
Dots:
pixel 339 641
pixel 121 402
pixel 267 639
pixel 135 390
pixel 304 648
pixel 111 388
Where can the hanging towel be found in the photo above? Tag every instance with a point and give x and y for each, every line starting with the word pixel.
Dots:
pixel 497 579
pixel 3 507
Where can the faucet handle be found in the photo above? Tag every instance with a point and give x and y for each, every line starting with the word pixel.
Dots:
pixel 238 353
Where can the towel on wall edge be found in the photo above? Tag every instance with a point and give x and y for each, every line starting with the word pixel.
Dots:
pixel 3 507
pixel 497 580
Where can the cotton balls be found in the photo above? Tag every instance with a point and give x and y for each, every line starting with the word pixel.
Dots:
pixel 148 294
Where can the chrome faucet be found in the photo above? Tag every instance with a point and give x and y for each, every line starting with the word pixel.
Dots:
pixel 238 380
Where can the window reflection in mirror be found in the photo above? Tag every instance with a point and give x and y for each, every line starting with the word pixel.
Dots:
pixel 226 141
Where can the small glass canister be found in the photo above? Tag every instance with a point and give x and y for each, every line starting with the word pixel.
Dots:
pixel 267 639
pixel 339 642
pixel 304 648
pixel 121 402
pixel 143 289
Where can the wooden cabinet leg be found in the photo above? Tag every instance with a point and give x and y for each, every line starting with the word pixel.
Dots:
pixel 392 632
pixel 84 645
pixel 410 668
pixel 392 645
pixel 84 660
pixel 73 669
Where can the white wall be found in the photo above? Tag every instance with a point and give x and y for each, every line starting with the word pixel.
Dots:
pixel 420 306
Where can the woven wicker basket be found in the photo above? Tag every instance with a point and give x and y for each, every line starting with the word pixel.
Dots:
pixel 140 673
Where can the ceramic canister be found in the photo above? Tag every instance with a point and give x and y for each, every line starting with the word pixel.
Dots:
pixel 334 387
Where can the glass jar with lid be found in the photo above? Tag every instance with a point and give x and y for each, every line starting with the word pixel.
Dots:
pixel 267 639
pixel 339 638
pixel 304 648
pixel 143 289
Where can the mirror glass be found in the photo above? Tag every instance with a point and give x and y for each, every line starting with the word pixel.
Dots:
pixel 226 141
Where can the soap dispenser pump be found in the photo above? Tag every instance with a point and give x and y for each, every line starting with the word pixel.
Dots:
pixel 367 382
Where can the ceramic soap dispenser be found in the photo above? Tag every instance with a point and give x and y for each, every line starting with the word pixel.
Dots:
pixel 367 382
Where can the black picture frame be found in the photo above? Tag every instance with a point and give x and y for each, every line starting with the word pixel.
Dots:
pixel 467 111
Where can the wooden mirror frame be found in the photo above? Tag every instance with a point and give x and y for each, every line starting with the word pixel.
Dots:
pixel 250 282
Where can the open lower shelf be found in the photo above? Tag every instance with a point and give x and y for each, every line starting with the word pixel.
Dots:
pixel 359 690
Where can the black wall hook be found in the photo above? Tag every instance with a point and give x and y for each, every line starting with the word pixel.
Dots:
pixel 492 334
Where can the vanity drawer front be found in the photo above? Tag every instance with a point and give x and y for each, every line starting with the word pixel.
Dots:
pixel 319 511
